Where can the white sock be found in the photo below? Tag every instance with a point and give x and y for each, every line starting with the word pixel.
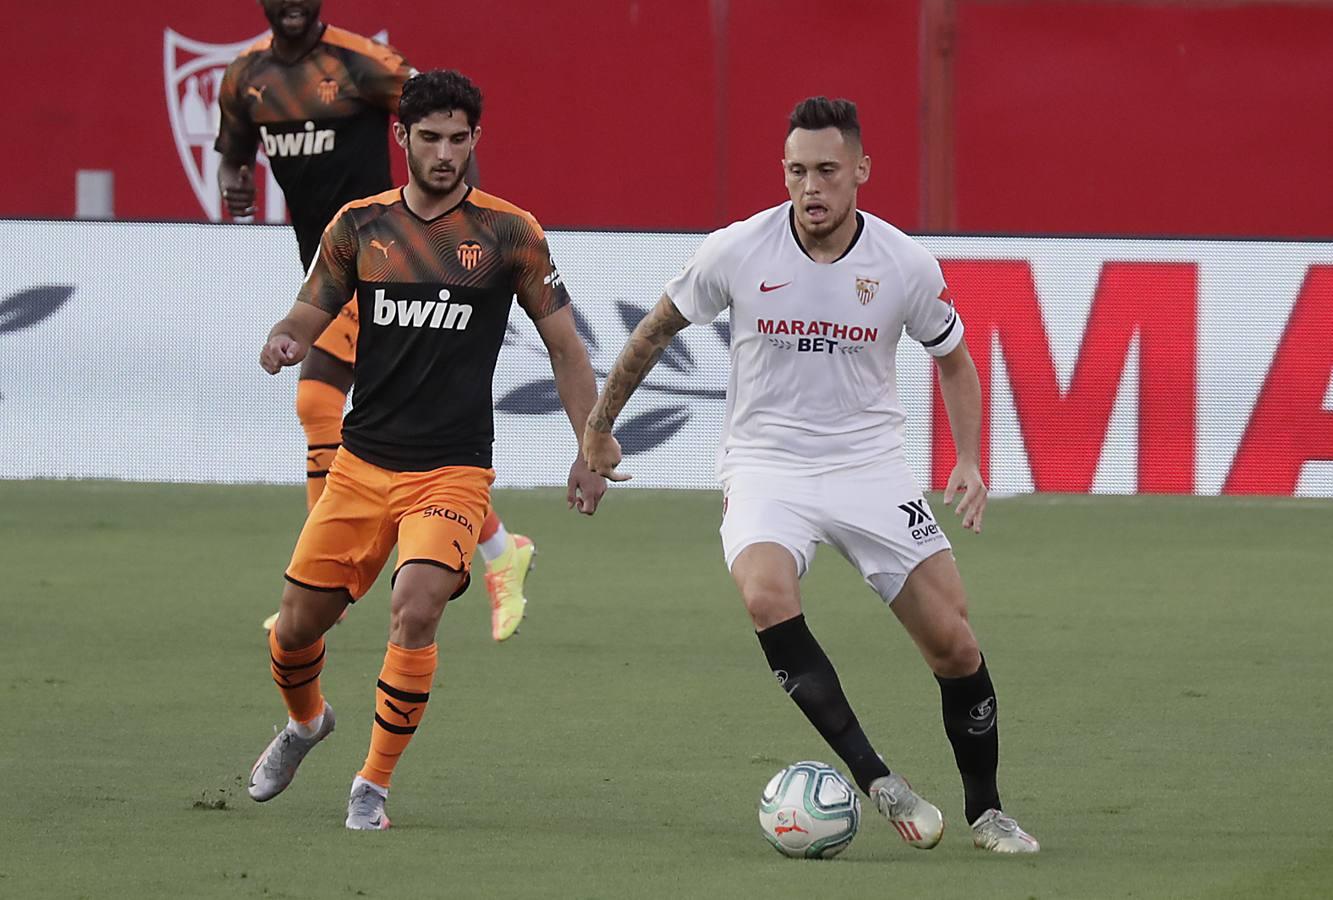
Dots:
pixel 382 791
pixel 494 545
pixel 309 729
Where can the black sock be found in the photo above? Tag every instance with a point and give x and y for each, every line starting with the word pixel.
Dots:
pixel 807 676
pixel 970 721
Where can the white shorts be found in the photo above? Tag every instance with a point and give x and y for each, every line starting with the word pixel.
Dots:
pixel 876 516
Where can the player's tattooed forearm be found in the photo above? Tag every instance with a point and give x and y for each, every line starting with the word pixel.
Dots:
pixel 644 348
pixel 632 366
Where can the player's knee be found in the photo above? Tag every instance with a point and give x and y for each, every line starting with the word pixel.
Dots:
pixel 305 615
pixel 768 604
pixel 416 606
pixel 294 630
pixel 956 655
pixel 414 624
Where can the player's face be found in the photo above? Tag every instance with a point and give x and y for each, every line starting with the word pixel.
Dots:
pixel 291 19
pixel 438 150
pixel 823 171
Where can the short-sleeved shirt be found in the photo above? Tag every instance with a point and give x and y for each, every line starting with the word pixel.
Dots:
pixel 433 297
pixel 813 385
pixel 322 121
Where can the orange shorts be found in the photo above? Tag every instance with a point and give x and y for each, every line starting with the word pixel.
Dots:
pixel 339 339
pixel 434 517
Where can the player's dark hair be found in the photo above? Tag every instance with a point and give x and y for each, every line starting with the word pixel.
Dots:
pixel 439 90
pixel 814 113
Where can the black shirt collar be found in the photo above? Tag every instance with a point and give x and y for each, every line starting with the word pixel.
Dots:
pixel 403 196
pixel 791 223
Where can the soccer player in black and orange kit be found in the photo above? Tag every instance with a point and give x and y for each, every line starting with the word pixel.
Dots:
pixel 318 99
pixel 433 267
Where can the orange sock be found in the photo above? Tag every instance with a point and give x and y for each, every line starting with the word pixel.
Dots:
pixel 400 701
pixel 490 526
pixel 319 406
pixel 296 673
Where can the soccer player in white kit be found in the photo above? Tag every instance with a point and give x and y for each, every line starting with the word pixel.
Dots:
pixel 812 449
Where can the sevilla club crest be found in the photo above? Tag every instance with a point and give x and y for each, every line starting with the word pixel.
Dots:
pixel 866 288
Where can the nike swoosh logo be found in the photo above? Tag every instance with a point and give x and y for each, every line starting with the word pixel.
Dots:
pixel 376 823
pixel 765 288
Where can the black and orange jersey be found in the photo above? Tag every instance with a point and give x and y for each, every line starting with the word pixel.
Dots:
pixel 322 121
pixel 433 297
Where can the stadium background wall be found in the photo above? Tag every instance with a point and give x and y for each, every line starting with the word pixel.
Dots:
pixel 129 351
pixel 1203 118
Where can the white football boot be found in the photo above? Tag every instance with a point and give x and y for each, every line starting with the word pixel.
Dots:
pixel 999 833
pixel 276 766
pixel 365 807
pixel 917 821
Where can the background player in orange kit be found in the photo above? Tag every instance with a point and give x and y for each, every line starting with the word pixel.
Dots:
pixel 318 99
pixel 433 267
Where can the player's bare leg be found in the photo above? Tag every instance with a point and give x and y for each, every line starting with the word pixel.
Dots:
pixel 321 395
pixel 767 577
pixel 420 593
pixel 306 614
pixel 296 646
pixel 932 606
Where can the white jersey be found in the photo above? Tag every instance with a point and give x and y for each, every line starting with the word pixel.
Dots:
pixel 813 385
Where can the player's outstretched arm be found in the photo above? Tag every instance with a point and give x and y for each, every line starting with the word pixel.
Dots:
pixel 642 351
pixel 961 389
pixel 290 339
pixel 577 386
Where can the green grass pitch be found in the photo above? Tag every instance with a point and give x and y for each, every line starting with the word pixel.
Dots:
pixel 1163 668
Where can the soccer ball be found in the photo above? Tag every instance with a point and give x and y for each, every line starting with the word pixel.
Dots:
pixel 808 810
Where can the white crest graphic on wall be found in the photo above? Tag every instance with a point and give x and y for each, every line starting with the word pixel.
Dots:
pixel 193 72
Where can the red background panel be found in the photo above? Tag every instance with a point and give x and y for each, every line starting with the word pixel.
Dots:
pixel 598 111
pixel 632 113
pixel 1143 118
pixel 585 101
pixel 781 51
pixel 1088 117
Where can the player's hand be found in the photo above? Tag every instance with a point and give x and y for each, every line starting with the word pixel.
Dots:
pixel 601 451
pixel 966 478
pixel 281 350
pixel 238 191
pixel 585 488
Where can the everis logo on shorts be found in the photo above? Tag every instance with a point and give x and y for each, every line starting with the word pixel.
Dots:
pixel 919 520
pixel 422 313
